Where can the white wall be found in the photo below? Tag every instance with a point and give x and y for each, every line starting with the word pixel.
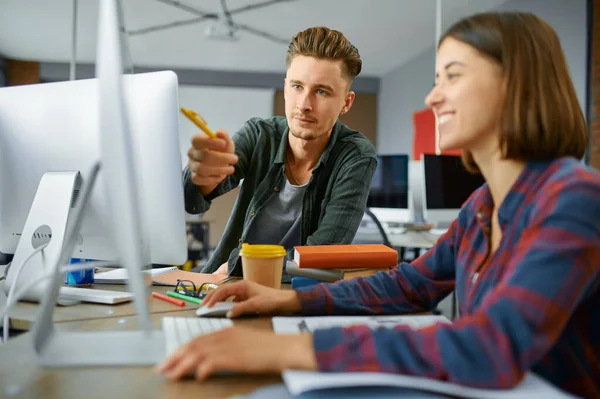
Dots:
pixel 403 90
pixel 222 107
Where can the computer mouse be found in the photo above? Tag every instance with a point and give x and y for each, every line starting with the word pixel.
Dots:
pixel 219 309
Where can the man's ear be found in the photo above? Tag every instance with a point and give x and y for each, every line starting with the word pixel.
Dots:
pixel 348 101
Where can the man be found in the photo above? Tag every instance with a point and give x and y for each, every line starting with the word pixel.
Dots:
pixel 306 176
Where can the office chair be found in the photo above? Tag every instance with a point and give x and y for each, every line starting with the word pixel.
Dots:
pixel 384 236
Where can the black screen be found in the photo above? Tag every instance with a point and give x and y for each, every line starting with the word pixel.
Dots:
pixel 389 188
pixel 447 183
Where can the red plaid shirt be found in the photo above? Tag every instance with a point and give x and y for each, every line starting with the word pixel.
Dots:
pixel 534 305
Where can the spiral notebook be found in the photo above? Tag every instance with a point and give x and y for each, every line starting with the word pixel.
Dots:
pixel 163 276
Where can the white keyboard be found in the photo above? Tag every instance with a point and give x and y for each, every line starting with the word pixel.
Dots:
pixel 94 295
pixel 179 330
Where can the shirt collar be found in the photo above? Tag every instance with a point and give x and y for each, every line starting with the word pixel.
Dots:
pixel 513 200
pixel 335 133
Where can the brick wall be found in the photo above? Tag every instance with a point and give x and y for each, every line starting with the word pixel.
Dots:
pixel 595 82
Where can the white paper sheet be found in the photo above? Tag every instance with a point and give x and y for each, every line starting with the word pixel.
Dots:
pixel 121 276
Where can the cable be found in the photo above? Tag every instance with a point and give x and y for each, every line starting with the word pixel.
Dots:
pixel 384 235
pixel 227 14
pixel 9 300
pixel 5 326
pixel 124 40
pixel 6 270
pixel 24 288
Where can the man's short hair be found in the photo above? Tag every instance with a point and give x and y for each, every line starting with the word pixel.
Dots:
pixel 326 44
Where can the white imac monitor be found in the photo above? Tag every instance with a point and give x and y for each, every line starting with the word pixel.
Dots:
pixel 55 127
pixel 415 191
pixel 132 210
pixel 447 186
pixel 388 195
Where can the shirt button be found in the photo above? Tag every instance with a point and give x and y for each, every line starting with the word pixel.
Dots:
pixel 252 213
pixel 479 215
pixel 276 189
pixel 240 240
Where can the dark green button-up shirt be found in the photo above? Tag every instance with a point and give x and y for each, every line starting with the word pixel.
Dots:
pixel 333 203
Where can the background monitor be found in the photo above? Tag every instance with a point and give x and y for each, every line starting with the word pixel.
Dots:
pixel 55 127
pixel 388 196
pixel 415 191
pixel 447 186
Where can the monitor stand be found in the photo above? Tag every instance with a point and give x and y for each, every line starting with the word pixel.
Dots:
pixel 56 348
pixel 46 224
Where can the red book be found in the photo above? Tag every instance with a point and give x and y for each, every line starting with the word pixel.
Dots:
pixel 350 256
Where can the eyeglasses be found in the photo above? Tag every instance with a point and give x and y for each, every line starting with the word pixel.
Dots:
pixel 187 287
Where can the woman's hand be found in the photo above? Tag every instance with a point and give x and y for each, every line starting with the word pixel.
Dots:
pixel 254 298
pixel 240 349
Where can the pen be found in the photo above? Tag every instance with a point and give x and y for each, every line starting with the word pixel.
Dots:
pixel 198 121
pixel 191 299
pixel 174 301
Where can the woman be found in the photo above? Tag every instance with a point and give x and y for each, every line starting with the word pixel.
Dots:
pixel 523 255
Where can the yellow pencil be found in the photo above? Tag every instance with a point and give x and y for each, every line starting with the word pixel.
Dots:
pixel 198 121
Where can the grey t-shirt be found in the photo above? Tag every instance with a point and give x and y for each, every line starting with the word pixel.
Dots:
pixel 278 222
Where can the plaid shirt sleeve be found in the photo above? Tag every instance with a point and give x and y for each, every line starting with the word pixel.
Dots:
pixel 551 270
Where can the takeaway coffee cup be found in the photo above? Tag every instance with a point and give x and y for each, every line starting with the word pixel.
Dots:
pixel 263 264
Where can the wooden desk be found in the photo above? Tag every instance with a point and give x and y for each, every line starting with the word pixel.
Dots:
pixel 413 239
pixel 21 377
pixel 23 314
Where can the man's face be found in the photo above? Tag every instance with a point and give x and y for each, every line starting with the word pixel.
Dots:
pixel 316 92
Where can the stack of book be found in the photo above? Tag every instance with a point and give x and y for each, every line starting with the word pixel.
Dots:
pixel 341 262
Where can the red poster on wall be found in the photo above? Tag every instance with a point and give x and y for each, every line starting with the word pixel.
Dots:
pixel 424 134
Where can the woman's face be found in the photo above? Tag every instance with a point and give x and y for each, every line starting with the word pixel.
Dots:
pixel 468 97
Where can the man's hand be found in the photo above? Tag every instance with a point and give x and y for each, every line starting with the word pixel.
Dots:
pixel 222 269
pixel 243 350
pixel 254 298
pixel 211 160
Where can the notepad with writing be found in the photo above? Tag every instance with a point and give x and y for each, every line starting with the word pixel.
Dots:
pixel 163 276
pixel 347 256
